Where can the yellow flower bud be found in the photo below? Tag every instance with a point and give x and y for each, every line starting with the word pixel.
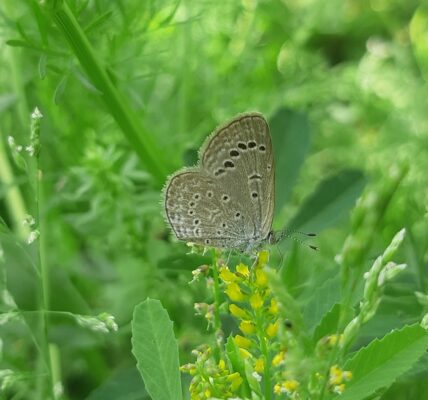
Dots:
pixel 272 329
pixel 234 292
pixel 242 342
pixel 247 327
pixel 347 375
pixel 336 375
pixel 244 353
pixel 278 358
pixel 256 301
pixel 273 308
pixel 277 388
pixel 339 389
pixel 261 278
pixel 237 311
pixel 259 365
pixel 290 385
pixel 235 380
pixel 262 258
pixel 226 275
pixel 243 270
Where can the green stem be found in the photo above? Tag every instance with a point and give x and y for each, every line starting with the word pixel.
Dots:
pixel 265 351
pixel 217 294
pixel 141 141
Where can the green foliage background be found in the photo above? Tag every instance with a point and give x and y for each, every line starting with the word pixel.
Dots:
pixel 129 93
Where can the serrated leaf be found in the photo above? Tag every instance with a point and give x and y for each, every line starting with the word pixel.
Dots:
pixel 382 361
pixel 291 134
pixel 155 348
pixel 323 298
pixel 331 199
pixel 329 323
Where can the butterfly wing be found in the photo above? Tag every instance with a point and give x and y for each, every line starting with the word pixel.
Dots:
pixel 239 156
pixel 198 210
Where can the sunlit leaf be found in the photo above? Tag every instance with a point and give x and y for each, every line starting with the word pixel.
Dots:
pixel 331 199
pixel 155 348
pixel 382 361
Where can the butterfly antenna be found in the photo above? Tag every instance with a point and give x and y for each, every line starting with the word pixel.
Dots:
pixel 289 233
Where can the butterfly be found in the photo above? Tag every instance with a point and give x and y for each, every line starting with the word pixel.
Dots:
pixel 227 200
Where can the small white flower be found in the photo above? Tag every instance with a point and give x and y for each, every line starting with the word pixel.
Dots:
pixel 33 236
pixel 36 114
pixel 29 220
pixel 11 141
pixel 257 376
pixel 30 150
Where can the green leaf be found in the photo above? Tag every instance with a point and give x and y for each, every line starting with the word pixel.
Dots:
pixel 237 363
pixel 291 134
pixel 323 298
pixel 123 385
pixel 331 199
pixel 418 36
pixel 330 321
pixel 382 361
pixel 155 348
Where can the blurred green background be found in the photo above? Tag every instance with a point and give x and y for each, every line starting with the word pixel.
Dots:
pixel 129 90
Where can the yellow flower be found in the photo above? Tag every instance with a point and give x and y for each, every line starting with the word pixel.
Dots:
pixel 339 389
pixel 259 365
pixel 235 380
pixel 234 292
pixel 247 327
pixel 244 353
pixel 243 270
pixel 238 311
pixel 336 375
pixel 262 258
pixel 347 375
pixel 221 364
pixel 273 308
pixel 256 301
pixel 278 359
pixel 242 342
pixel 290 385
pixel 261 278
pixel 207 393
pixel 277 388
pixel 272 329
pixel 226 275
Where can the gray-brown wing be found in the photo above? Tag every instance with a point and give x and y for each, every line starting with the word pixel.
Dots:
pixel 200 210
pixel 239 156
